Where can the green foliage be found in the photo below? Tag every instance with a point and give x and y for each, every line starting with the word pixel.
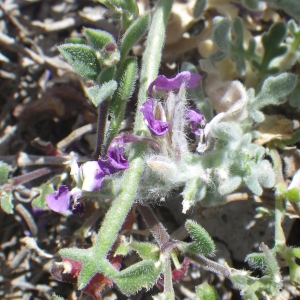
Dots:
pixel 199 8
pixel 98 39
pixel 44 189
pixel 272 43
pixel 294 100
pixel 98 94
pixel 291 7
pixel 4 169
pixel 6 202
pixel 134 33
pixel 203 242
pixel 56 297
pixel 205 291
pixel 274 91
pixel 251 4
pixel 140 275
pixel 82 58
pixel 124 10
pixel 231 43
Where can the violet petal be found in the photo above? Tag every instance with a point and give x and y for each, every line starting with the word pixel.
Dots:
pixel 195 118
pixel 60 200
pixel 92 176
pixel 115 161
pixel 163 83
pixel 156 127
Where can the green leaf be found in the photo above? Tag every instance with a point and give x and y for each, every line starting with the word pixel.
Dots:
pixel 227 131
pixel 229 185
pixel 295 96
pixel 106 75
pixel 221 33
pixel 4 169
pixel 134 33
pixel 146 250
pixel 125 10
pixel 126 78
pixel 251 4
pixel 256 260
pixel 140 275
pixel 75 40
pixel 98 38
pixel 293 194
pixel 272 41
pixel 199 8
pixel 97 93
pixel 206 292
pixel 82 58
pixel 6 202
pixel 40 201
pixel 205 244
pixel 274 91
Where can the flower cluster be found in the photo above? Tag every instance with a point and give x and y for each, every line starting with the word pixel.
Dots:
pixel 88 177
pixel 155 115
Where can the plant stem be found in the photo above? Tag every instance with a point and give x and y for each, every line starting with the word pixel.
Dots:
pixel 157 229
pixel 101 128
pixel 152 57
pixel 121 205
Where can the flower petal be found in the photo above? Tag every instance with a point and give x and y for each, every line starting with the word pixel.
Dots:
pixel 92 176
pixel 195 118
pixel 60 200
pixel 115 161
pixel 156 127
pixel 163 83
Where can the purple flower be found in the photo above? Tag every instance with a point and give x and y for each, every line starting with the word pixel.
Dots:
pixel 196 120
pixel 188 78
pixel 115 160
pixel 156 127
pixel 60 200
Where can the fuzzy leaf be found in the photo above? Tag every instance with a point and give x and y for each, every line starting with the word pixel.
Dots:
pixel 142 274
pixel 134 33
pixel 106 75
pixel 256 260
pixel 56 297
pixel 199 8
pixel 126 78
pixel 229 185
pixel 274 91
pixel 82 58
pixel 295 96
pixel 194 191
pixel 97 94
pixel 6 202
pixel 272 47
pixel 227 131
pixel 253 185
pixel 125 10
pixel 3 172
pixel 204 243
pixel 221 33
pixel 146 250
pixel 291 7
pixel 98 38
pixel 206 292
pixel 251 4
pixel 40 201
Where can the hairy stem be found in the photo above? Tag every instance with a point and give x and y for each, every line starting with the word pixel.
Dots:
pixel 121 205
pixel 101 128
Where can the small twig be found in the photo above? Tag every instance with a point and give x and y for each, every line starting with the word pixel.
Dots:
pixel 30 176
pixel 209 264
pixel 74 135
pixel 157 229
pixel 25 160
pixel 27 218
